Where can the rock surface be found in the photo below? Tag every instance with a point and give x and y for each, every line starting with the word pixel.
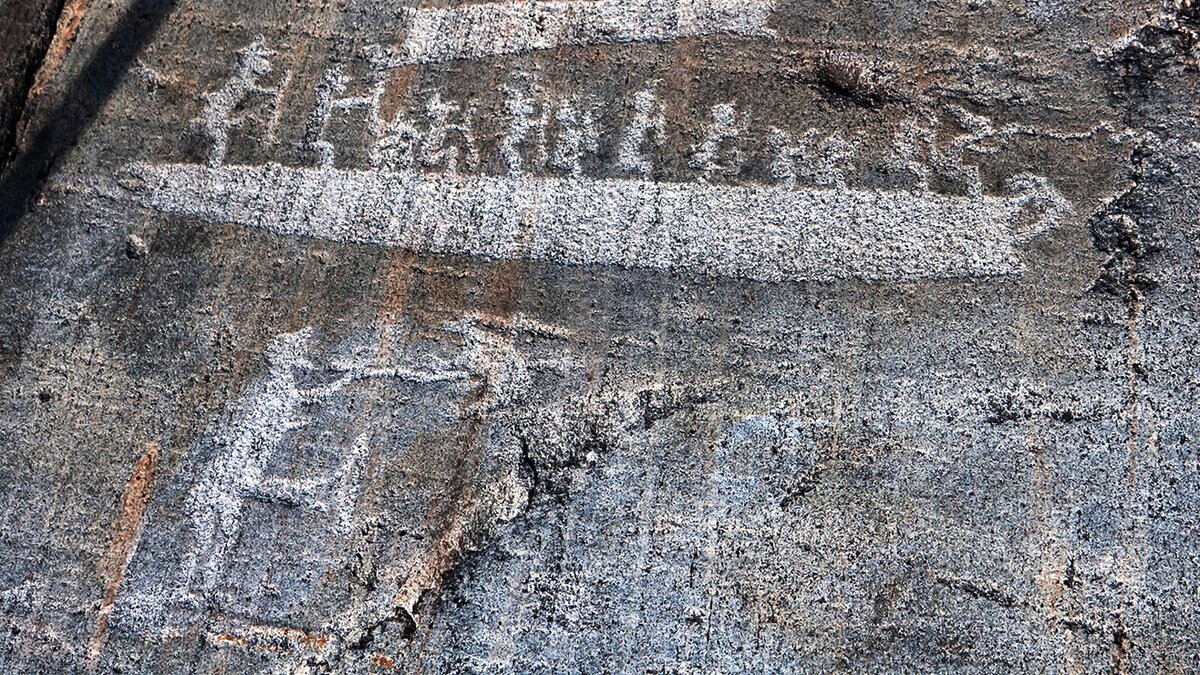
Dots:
pixel 598 335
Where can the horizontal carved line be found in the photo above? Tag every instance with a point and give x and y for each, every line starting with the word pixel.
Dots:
pixel 760 232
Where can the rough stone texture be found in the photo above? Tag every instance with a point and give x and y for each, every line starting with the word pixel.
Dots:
pixel 26 30
pixel 584 336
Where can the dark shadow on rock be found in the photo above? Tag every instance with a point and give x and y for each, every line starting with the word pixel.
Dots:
pixel 27 29
pixel 78 105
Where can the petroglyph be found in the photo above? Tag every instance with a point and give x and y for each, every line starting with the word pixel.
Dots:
pixel 244 448
pixel 220 115
pixel 647 126
pixel 446 127
pixel 481 365
pixel 530 117
pixel 423 192
pixel 580 136
pixel 331 98
pixel 525 120
pixel 477 31
pixel 765 233
pixel 918 148
pixel 601 336
pixel 239 455
pixel 555 133
pixel 720 152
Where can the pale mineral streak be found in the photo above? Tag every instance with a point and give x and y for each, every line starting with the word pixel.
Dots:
pixel 758 232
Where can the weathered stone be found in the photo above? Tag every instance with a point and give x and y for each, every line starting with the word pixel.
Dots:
pixel 585 335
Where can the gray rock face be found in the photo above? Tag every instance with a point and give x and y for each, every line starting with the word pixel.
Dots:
pixel 598 336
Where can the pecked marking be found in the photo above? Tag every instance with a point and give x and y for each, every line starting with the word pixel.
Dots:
pixel 764 233
pixel 484 30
